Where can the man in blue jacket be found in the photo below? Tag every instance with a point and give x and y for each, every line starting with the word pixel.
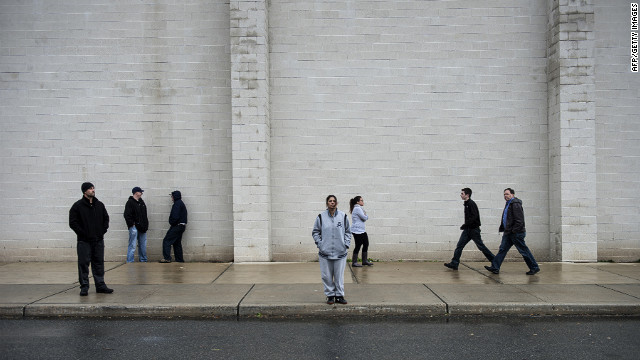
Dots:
pixel 514 232
pixel 178 222
pixel 89 219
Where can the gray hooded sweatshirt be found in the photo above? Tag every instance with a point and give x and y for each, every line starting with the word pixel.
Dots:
pixel 332 235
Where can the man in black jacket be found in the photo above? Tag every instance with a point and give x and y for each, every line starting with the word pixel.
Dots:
pixel 512 225
pixel 135 215
pixel 88 218
pixel 470 230
pixel 178 222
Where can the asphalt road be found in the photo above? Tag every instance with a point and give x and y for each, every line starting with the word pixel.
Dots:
pixel 457 338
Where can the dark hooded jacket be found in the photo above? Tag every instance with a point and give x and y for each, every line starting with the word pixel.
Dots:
pixel 178 210
pixel 515 218
pixel 135 213
pixel 89 220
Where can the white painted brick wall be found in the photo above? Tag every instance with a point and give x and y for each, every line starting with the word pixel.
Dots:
pixel 401 102
pixel 404 104
pixel 251 130
pixel 120 94
pixel 618 135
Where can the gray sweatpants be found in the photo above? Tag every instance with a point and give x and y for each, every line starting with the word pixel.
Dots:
pixel 332 272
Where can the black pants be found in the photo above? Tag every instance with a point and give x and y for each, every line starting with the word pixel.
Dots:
pixel 362 240
pixel 91 253
pixel 173 237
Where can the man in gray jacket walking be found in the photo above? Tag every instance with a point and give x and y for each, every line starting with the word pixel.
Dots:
pixel 332 235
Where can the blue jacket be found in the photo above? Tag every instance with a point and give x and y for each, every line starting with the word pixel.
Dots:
pixel 332 235
pixel 515 218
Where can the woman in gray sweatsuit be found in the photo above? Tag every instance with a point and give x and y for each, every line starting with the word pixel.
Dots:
pixel 332 235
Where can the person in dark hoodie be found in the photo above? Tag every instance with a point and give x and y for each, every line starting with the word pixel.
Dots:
pixel 135 215
pixel 514 232
pixel 89 219
pixel 178 222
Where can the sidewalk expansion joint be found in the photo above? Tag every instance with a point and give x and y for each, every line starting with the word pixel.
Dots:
pixel 240 302
pixel 446 305
pixel 484 274
pixel 618 291
pixel 24 308
pixel 353 275
pixel 224 271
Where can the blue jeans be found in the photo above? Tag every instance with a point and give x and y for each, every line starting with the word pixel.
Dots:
pixel 466 236
pixel 141 239
pixel 517 240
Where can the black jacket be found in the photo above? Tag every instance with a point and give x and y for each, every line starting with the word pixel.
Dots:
pixel 178 210
pixel 135 213
pixel 515 218
pixel 89 221
pixel 471 215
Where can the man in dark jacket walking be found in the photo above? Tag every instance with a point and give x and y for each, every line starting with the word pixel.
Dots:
pixel 88 218
pixel 514 232
pixel 135 215
pixel 178 222
pixel 470 230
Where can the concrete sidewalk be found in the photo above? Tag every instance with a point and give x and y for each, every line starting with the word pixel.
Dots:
pixel 291 290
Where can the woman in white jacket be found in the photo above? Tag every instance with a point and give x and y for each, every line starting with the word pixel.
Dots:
pixel 359 216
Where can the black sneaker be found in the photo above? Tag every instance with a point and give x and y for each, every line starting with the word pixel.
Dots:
pixel 451 266
pixel 492 269
pixel 341 300
pixel 84 291
pixel 533 272
pixel 330 300
pixel 355 264
pixel 104 290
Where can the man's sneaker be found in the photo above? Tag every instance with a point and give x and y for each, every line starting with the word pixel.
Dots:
pixel 164 261
pixel 330 300
pixel 84 291
pixel 104 290
pixel 533 272
pixel 341 300
pixel 451 266
pixel 492 269
pixel 355 264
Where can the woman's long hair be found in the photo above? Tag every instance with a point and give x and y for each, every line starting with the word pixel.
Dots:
pixel 353 202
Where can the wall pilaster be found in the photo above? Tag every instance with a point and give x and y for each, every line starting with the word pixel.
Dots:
pixel 250 130
pixel 572 130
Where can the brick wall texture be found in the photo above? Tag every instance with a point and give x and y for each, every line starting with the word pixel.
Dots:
pixel 257 110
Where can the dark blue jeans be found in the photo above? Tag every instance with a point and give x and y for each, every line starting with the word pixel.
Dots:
pixel 173 237
pixel 517 240
pixel 466 236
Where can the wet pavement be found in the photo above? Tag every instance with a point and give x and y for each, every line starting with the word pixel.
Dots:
pixel 294 290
